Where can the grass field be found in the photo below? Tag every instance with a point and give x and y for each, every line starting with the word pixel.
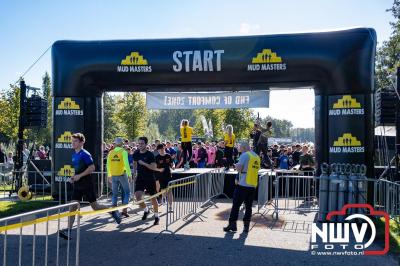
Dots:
pixel 5 187
pixel 394 233
pixel 8 208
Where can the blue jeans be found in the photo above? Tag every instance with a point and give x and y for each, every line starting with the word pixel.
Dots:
pixel 123 180
pixel 201 164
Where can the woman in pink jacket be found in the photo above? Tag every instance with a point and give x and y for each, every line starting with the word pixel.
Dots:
pixel 211 151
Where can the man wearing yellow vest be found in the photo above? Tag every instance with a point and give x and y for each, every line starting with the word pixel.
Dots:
pixel 246 183
pixel 118 170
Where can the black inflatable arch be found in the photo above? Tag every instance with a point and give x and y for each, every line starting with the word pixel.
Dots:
pixel 338 64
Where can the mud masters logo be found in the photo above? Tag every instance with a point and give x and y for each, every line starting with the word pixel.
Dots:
pixel 134 62
pixel 266 60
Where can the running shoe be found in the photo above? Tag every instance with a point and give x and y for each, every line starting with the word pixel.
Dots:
pixel 145 214
pixel 64 234
pixel 116 217
pixel 125 214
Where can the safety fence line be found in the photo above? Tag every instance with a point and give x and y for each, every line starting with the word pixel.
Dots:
pixel 84 213
pixel 51 245
pixel 181 184
pixel 36 185
pixel 267 183
pixel 40 188
pixel 186 201
pixel 387 197
pixel 264 199
pixel 298 193
pixel 294 193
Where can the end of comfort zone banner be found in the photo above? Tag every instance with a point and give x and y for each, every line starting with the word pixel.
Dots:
pixel 207 100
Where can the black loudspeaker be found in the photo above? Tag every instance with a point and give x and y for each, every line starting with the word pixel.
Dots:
pixel 385 106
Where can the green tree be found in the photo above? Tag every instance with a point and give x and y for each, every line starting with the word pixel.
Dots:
pixel 43 135
pixel 217 117
pixel 171 133
pixel 152 132
pixel 9 109
pixel 281 128
pixel 303 134
pixel 388 54
pixel 241 120
pixel 112 125
pixel 132 114
pixel 168 121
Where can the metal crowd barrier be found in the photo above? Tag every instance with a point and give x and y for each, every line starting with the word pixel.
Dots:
pixel 32 238
pixel 192 193
pixel 298 193
pixel 265 193
pixel 387 196
pixel 211 186
pixel 41 189
pixel 271 192
pixel 6 179
pixel 301 194
pixel 185 195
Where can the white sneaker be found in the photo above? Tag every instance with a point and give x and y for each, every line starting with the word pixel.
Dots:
pixel 186 167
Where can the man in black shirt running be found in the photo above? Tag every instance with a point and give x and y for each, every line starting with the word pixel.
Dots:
pixel 164 161
pixel 145 165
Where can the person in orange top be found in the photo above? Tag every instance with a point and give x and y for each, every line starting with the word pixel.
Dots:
pixel 186 141
pixel 229 140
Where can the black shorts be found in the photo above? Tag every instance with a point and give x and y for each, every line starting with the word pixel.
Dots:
pixel 164 182
pixel 146 185
pixel 86 192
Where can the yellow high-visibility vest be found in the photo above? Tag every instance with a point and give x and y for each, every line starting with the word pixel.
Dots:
pixel 186 134
pixel 229 140
pixel 117 162
pixel 252 169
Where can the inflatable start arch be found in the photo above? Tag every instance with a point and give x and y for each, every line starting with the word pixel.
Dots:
pixel 338 64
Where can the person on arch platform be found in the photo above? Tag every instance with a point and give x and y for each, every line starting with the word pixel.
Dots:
pixel 186 142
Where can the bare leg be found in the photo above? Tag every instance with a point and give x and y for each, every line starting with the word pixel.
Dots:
pixel 139 197
pixel 71 218
pixel 170 198
pixel 97 206
pixel 155 205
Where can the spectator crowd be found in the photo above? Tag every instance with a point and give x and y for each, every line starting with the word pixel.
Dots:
pixel 212 154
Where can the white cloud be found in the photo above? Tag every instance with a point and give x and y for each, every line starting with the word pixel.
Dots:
pixel 246 28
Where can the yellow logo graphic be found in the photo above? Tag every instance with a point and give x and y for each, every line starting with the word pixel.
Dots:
pixel 134 59
pixel 65 138
pixel 347 140
pixel 67 170
pixel 346 102
pixel 266 56
pixel 69 104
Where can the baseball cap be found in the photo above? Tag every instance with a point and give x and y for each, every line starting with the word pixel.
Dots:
pixel 118 141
